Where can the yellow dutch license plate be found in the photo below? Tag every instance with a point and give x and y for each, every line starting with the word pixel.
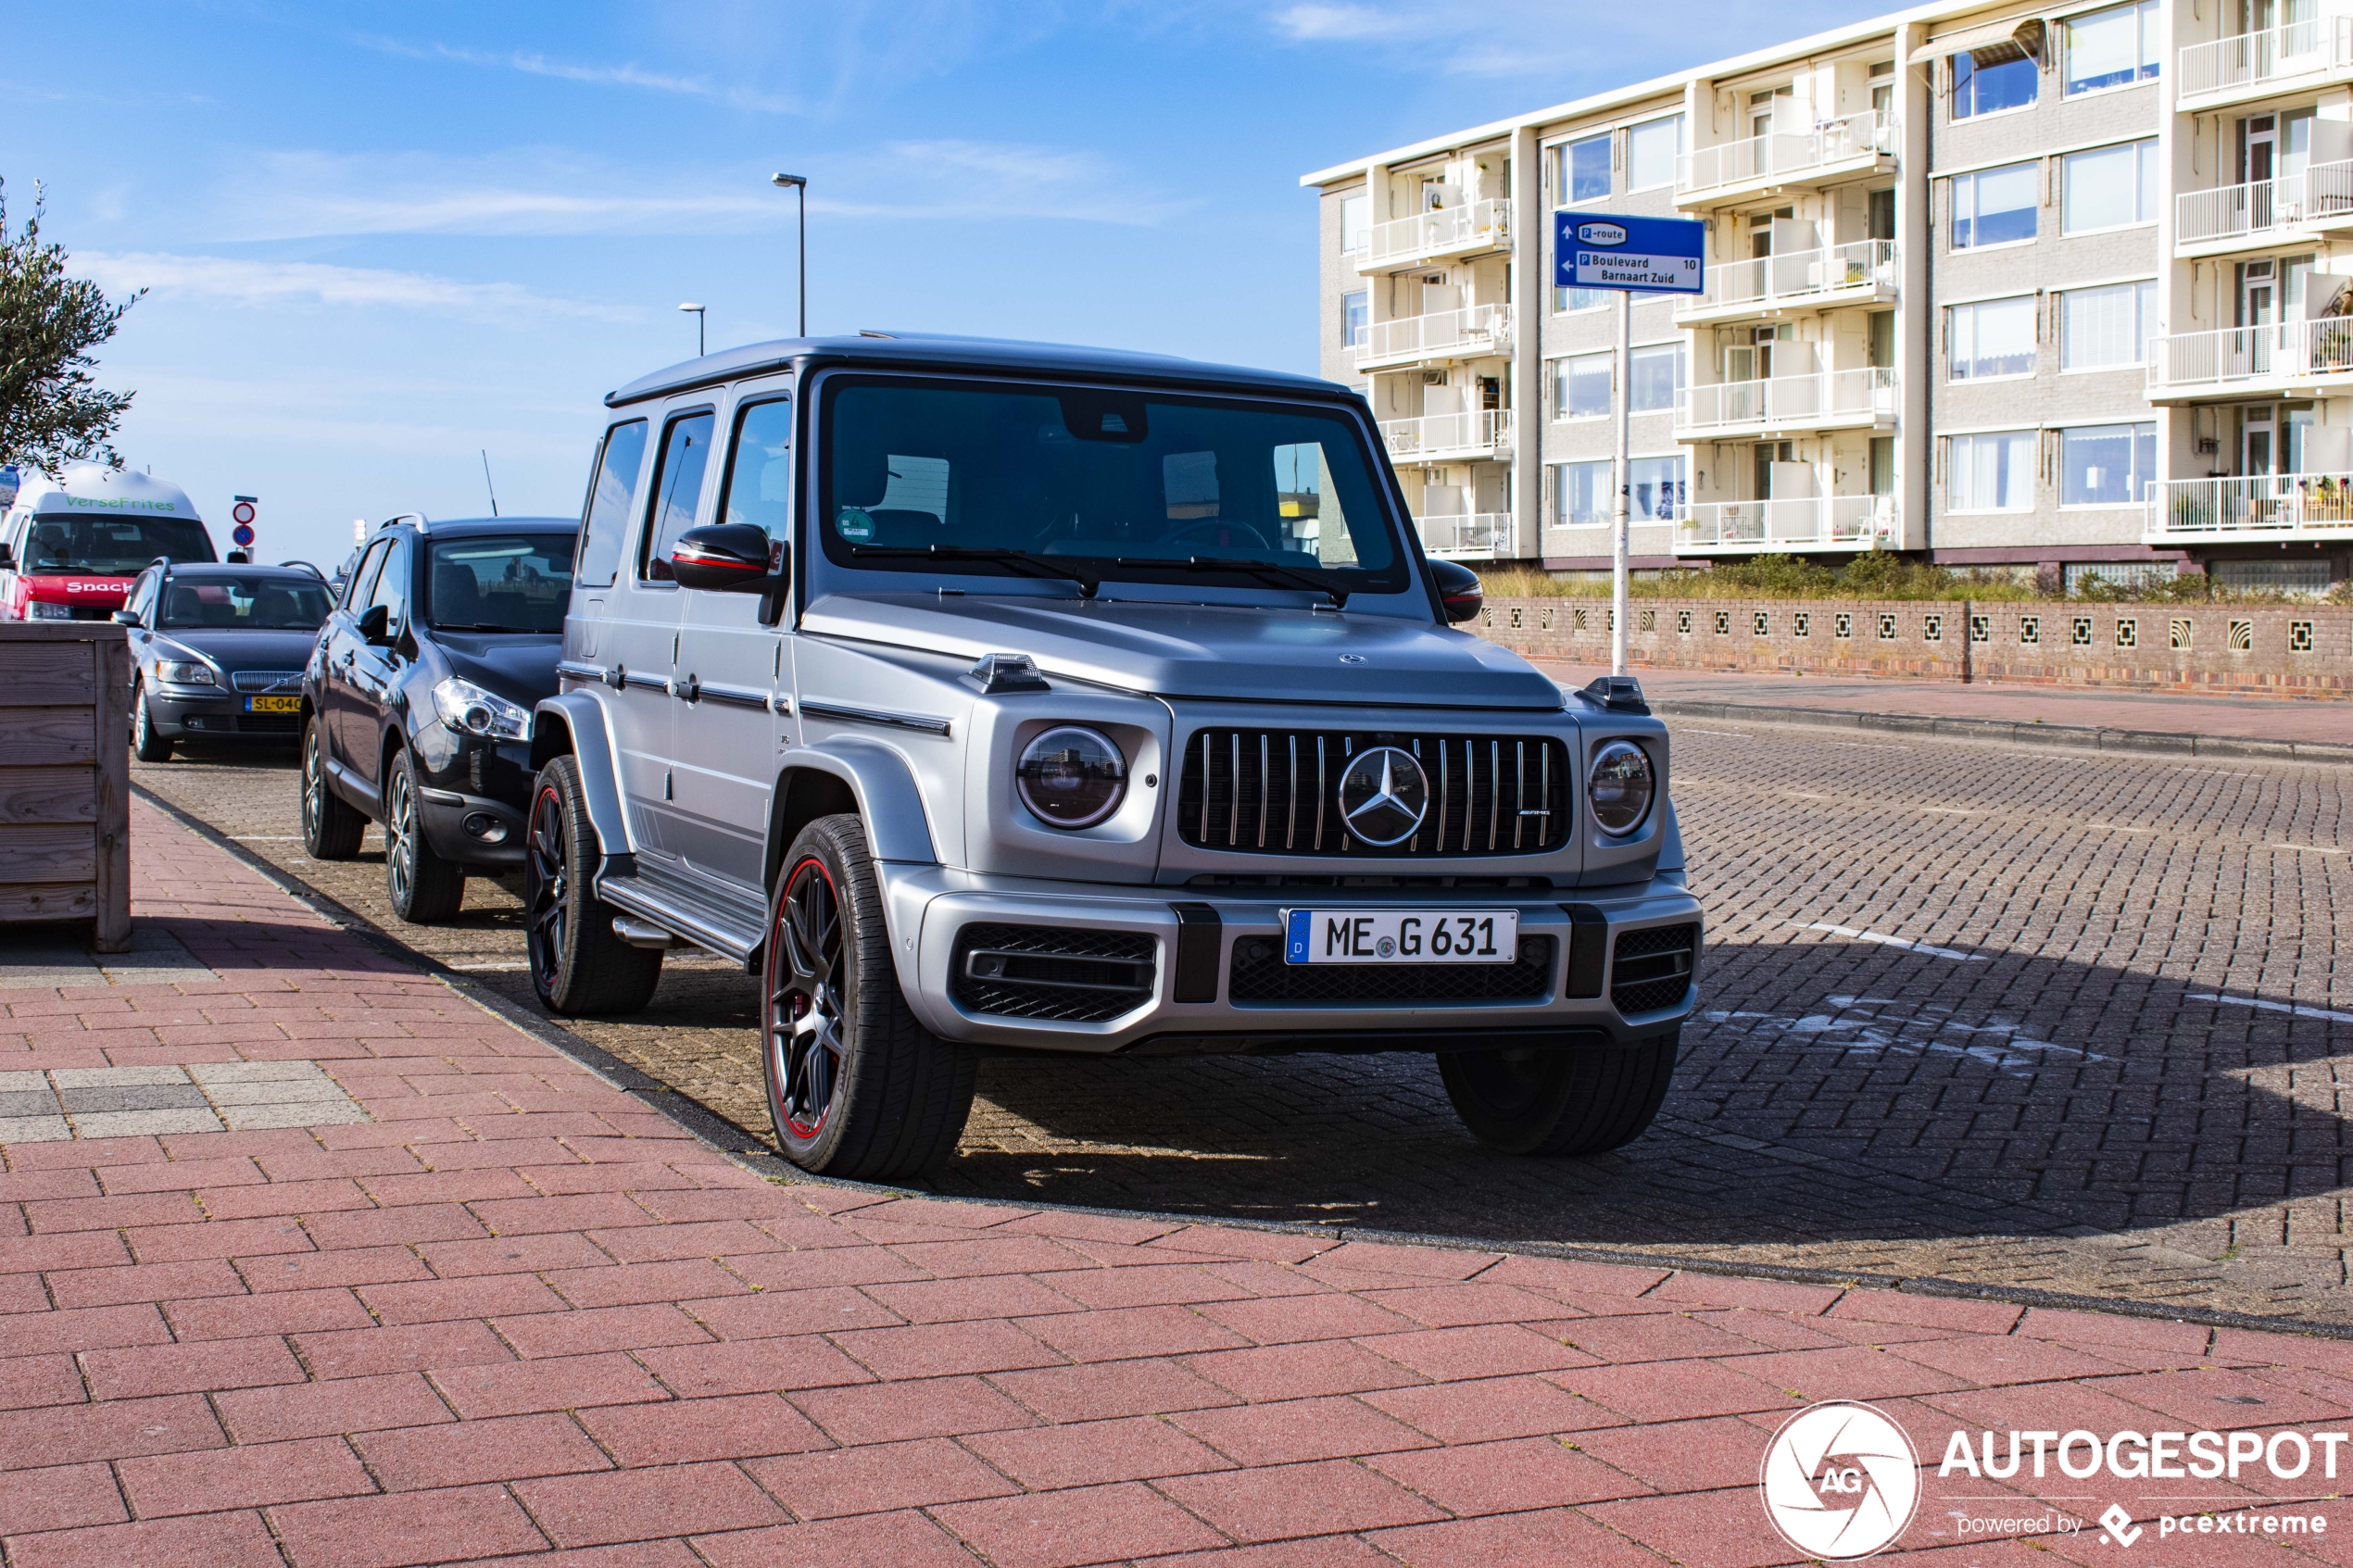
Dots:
pixel 274 705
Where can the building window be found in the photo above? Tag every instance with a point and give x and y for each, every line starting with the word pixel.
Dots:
pixel 1581 387
pixel 1993 206
pixel 1356 224
pixel 1993 337
pixel 1356 318
pixel 1580 494
pixel 2112 48
pixel 1990 474
pixel 1650 150
pixel 1657 484
pixel 1565 300
pixel 2110 326
pixel 2107 465
pixel 1584 169
pixel 1989 89
pixel 2108 188
pixel 1657 378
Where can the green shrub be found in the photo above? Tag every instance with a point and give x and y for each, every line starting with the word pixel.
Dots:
pixel 1874 575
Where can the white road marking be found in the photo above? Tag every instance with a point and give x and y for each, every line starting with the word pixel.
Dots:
pixel 1878 1024
pixel 499 964
pixel 2309 849
pixel 1905 943
pixel 2299 1010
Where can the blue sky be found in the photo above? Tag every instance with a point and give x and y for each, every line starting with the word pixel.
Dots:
pixel 380 239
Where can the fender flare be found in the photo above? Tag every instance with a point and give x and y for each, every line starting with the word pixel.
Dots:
pixel 580 717
pixel 889 800
pixel 1670 844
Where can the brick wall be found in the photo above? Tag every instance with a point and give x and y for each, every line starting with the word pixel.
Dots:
pixel 2255 651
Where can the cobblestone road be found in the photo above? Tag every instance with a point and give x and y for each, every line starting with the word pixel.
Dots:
pixel 2100 1054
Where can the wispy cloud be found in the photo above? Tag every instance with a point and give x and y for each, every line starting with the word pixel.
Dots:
pixel 246 282
pixel 627 74
pixel 1318 22
pixel 1577 48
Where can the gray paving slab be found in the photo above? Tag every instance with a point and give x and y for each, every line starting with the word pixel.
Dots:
pixel 277 1091
pixel 306 1113
pixel 144 1123
pixel 34 1129
pixel 132 1096
pixel 27 1102
pixel 210 1073
pixel 115 1077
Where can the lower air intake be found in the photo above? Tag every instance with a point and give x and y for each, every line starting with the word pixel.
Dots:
pixel 1046 973
pixel 1651 969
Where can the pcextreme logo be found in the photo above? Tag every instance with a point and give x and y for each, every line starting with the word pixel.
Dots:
pixel 1840 1480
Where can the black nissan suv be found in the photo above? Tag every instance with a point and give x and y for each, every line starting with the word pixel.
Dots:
pixel 418 697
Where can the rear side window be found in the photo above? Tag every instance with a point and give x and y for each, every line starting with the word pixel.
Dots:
pixel 391 587
pixel 609 493
pixel 363 576
pixel 686 458
pixel 759 489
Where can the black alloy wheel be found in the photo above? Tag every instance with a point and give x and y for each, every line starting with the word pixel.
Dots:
pixel 578 965
pixel 331 826
pixel 804 1000
pixel 425 888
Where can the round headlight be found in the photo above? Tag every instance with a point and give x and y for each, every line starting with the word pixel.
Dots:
pixel 1072 777
pixel 1621 786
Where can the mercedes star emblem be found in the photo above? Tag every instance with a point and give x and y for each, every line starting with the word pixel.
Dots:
pixel 1383 795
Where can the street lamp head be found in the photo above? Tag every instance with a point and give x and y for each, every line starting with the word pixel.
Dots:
pixel 694 307
pixel 787 180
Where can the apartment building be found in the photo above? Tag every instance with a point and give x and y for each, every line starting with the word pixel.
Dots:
pixel 2053 288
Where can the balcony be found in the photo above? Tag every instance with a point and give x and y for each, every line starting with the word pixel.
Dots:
pixel 1833 151
pixel 1862 273
pixel 1809 522
pixel 1787 405
pixel 1467 230
pixel 1474 333
pixel 1467 535
pixel 2265 212
pixel 2254 65
pixel 1448 438
pixel 2249 362
pixel 2263 509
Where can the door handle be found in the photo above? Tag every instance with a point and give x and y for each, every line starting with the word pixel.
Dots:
pixel 349 655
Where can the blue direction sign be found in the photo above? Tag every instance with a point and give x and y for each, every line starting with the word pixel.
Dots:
pixel 1593 250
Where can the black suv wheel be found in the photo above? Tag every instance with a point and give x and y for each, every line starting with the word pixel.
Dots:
pixel 425 887
pixel 577 964
pixel 1560 1101
pixel 856 1086
pixel 331 826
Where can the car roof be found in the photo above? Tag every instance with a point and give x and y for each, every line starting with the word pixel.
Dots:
pixel 942 351
pixel 461 527
pixel 231 568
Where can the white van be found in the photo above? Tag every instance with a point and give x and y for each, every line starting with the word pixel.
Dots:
pixel 71 545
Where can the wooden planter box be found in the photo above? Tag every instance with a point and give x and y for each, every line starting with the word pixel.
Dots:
pixel 65 776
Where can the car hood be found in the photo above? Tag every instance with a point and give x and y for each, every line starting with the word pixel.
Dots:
pixel 1192 650
pixel 518 667
pixel 233 649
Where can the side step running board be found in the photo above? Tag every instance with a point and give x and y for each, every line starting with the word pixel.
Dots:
pixel 707 917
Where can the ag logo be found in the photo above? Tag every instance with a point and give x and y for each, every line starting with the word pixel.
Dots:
pixel 1840 1480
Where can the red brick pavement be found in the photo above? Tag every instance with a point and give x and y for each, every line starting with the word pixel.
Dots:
pixel 518 1317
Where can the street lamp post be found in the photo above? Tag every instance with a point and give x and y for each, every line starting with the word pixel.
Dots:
pixel 700 349
pixel 799 186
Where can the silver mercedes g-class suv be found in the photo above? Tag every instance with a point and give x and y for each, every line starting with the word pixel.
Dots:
pixel 986 695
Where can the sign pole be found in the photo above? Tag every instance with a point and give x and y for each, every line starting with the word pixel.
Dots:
pixel 1621 377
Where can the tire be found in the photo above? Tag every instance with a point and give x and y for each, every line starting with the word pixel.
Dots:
pixel 1560 1102
pixel 331 826
pixel 577 964
pixel 146 745
pixel 857 1088
pixel 425 888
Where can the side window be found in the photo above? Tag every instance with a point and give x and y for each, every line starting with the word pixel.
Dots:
pixel 607 520
pixel 759 484
pixel 143 596
pixel 363 577
pixel 391 587
pixel 678 476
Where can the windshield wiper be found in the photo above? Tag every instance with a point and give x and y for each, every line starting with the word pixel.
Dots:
pixel 1089 582
pixel 1265 571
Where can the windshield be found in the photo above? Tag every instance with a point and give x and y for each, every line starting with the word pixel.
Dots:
pixel 255 604
pixel 111 546
pixel 1143 485
pixel 500 583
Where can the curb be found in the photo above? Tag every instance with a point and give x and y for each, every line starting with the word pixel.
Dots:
pixel 727 1138
pixel 2011 732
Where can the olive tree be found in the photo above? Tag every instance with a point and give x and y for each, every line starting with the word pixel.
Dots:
pixel 52 412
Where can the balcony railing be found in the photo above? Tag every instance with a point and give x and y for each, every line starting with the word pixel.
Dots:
pixel 2283 351
pixel 1450 230
pixel 1477 331
pixel 1785 155
pixel 2271 506
pixel 2252 59
pixel 1483 534
pixel 1438 437
pixel 1808 401
pixel 1797 277
pixel 1822 522
pixel 2321 194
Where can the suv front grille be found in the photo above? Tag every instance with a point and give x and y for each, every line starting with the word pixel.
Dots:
pixel 1277 792
pixel 1047 972
pixel 1261 975
pixel 1652 968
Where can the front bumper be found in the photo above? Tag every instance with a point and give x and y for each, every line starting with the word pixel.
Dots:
pixel 474 798
pixel 1186 943
pixel 206 713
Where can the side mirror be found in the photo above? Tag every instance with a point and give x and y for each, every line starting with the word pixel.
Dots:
pixel 126 617
pixel 729 558
pixel 375 626
pixel 1458 591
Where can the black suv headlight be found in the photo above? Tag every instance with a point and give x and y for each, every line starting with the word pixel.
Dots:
pixel 1621 786
pixel 1072 776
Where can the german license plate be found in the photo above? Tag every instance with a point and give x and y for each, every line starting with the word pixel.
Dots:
pixel 1401 935
pixel 274 705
